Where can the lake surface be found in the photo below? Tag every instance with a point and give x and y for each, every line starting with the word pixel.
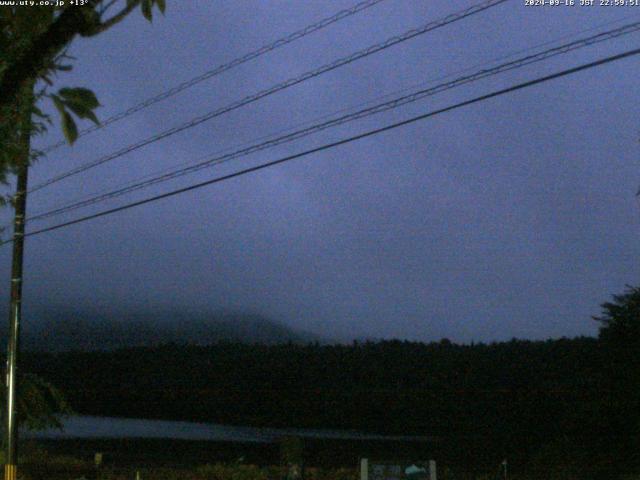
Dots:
pixel 82 426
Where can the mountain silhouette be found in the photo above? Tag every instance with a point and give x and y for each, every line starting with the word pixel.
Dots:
pixel 63 329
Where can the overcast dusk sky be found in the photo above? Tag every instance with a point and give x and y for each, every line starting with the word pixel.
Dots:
pixel 513 217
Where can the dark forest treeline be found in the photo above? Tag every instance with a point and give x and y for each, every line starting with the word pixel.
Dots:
pixel 566 404
pixel 514 398
pixel 389 386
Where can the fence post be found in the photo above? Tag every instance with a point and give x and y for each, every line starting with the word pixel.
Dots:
pixel 432 470
pixel 364 469
pixel 97 461
pixel 292 456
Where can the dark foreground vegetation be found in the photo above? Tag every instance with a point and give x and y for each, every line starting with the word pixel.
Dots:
pixel 160 460
pixel 199 460
pixel 568 406
pixel 527 401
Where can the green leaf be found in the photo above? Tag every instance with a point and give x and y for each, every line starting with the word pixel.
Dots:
pixel 80 101
pixel 162 5
pixel 69 128
pixel 146 9
pixel 81 111
pixel 59 104
pixel 83 96
pixel 40 114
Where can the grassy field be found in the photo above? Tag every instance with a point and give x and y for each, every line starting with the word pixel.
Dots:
pixel 155 459
pixel 159 459
pixel 196 460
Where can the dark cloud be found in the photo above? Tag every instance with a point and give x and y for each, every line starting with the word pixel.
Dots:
pixel 512 217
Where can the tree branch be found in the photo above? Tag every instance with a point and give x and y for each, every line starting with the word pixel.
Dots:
pixel 117 18
pixel 107 6
pixel 72 21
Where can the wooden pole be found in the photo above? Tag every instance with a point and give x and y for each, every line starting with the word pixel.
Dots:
pixel 15 311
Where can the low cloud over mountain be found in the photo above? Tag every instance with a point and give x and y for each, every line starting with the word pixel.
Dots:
pixel 62 329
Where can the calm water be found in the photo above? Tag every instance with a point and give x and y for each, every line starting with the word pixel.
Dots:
pixel 108 427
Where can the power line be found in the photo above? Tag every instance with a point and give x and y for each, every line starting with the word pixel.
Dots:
pixel 281 86
pixel 343 141
pixel 76 202
pixel 281 42
pixel 278 87
pixel 363 113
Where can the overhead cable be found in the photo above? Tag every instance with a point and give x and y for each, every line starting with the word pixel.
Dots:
pixel 292 37
pixel 363 113
pixel 343 141
pixel 314 120
pixel 480 7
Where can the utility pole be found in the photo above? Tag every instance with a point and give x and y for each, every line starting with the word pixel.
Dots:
pixel 20 204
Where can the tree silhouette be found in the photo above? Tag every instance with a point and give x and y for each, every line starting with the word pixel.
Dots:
pixel 620 319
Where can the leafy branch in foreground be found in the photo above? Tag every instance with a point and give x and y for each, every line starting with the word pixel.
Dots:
pixel 81 102
pixel 33 44
pixel 40 403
